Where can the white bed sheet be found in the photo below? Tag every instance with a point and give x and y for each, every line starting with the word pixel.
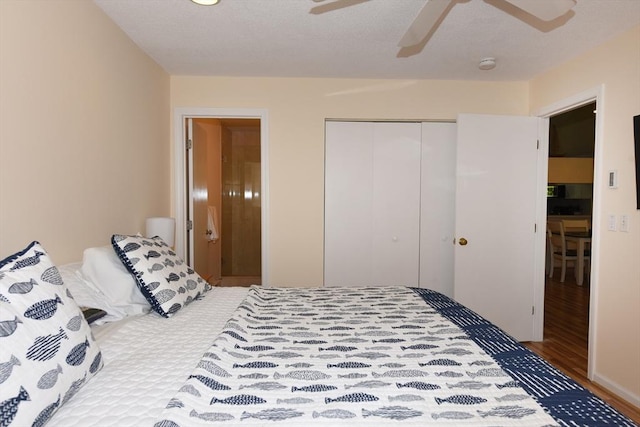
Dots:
pixel 146 360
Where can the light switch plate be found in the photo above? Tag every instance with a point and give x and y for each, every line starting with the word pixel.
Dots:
pixel 624 223
pixel 612 223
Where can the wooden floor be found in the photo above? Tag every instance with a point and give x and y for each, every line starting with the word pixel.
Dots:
pixel 566 329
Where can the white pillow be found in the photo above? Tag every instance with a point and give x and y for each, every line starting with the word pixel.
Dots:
pixel 86 294
pixel 103 270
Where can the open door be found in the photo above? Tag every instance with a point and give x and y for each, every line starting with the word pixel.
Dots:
pixel 197 193
pixel 205 196
pixel 496 199
pixel 199 200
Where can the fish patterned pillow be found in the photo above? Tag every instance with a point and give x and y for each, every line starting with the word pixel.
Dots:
pixel 165 280
pixel 47 351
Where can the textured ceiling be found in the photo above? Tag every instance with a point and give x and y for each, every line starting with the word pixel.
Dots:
pixel 281 38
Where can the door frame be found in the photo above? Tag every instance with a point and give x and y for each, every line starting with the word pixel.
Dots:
pixel 596 95
pixel 180 181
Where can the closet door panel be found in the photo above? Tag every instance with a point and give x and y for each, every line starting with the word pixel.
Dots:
pixel 372 203
pixel 438 199
pixel 348 203
pixel 396 203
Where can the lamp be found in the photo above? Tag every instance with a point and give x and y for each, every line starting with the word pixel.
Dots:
pixel 162 227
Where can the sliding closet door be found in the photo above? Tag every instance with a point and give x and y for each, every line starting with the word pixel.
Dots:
pixel 372 203
pixel 438 198
pixel 348 203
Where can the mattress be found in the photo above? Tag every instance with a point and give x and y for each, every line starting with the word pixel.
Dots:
pixel 146 360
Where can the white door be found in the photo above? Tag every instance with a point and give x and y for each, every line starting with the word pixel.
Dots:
pixel 496 195
pixel 199 199
pixel 437 201
pixel 372 203
pixel 197 196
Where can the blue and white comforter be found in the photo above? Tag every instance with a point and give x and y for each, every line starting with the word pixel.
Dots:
pixel 373 356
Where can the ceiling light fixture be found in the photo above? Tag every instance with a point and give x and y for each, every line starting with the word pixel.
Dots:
pixel 487 64
pixel 205 2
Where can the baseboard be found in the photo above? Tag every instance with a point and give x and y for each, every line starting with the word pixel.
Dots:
pixel 615 388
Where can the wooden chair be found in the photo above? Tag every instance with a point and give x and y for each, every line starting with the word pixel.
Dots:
pixel 558 248
pixel 576 224
pixel 580 225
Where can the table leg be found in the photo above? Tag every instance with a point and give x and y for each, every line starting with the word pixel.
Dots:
pixel 580 266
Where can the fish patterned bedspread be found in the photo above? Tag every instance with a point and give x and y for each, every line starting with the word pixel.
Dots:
pixel 373 356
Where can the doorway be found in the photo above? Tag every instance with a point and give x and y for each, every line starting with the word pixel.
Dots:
pixel 241 202
pixel 570 202
pixel 225 200
pixel 187 233
pixel 592 100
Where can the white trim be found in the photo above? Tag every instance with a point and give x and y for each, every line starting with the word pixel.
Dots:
pixel 179 116
pixel 541 230
pixel 189 216
pixel 615 388
pixel 595 94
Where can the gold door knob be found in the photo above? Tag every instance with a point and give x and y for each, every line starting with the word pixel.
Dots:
pixel 462 241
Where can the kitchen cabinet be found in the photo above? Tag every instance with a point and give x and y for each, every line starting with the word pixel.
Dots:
pixel 570 170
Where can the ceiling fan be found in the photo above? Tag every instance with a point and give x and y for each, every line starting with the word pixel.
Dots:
pixel 434 11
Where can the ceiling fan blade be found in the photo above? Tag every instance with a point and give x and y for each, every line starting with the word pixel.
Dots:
pixel 333 5
pixel 545 10
pixel 428 17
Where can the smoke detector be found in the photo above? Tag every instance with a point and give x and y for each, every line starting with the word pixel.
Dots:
pixel 205 2
pixel 487 63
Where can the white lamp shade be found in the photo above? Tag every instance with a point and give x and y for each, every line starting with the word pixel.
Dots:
pixel 161 227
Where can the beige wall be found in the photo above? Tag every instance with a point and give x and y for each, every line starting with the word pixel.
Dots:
pixel 297 109
pixel 615 64
pixel 84 129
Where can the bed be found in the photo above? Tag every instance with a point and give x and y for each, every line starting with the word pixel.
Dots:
pixel 318 356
